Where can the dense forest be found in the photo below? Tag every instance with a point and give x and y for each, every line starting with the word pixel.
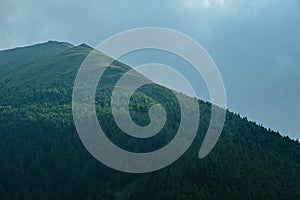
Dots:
pixel 42 156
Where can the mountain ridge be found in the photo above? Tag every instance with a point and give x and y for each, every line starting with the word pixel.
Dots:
pixel 43 158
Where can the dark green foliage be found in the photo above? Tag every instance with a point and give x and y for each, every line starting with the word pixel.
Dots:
pixel 42 156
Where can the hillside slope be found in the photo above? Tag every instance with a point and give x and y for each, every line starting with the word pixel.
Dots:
pixel 42 156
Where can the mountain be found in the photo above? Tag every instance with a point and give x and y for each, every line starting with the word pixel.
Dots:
pixel 42 156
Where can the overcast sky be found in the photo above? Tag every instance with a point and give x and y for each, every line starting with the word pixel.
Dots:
pixel 255 43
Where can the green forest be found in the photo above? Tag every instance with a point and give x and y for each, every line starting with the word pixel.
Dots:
pixel 42 156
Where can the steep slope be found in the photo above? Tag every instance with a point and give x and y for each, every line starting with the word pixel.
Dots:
pixel 42 157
